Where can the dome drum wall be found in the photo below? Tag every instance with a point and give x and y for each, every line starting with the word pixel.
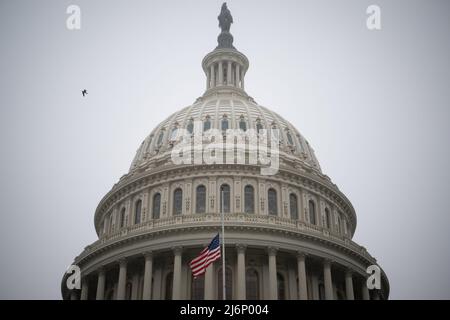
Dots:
pixel 306 187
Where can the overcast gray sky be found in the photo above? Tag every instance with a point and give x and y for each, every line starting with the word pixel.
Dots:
pixel 373 104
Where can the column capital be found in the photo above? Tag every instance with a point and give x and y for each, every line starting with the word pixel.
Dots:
pixel 177 250
pixel 148 255
pixel 301 255
pixel 123 262
pixel 241 248
pixel 349 272
pixel 101 269
pixel 328 261
pixel 272 251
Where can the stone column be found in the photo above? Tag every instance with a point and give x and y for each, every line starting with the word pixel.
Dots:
pixel 328 282
pixel 242 80
pixel 213 76
pixel 229 76
pixel 349 286
pixel 101 285
pixel 303 289
pixel 148 271
pixel 273 286
pixel 241 290
pixel 220 74
pixel 365 290
pixel 209 282
pixel 84 289
pixel 238 73
pixel 134 286
pixel 122 283
pixel 176 289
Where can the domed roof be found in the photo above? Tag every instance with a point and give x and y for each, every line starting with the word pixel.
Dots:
pixel 224 98
pixel 240 111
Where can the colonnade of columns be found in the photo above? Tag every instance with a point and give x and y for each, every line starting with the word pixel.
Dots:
pixel 209 285
pixel 233 74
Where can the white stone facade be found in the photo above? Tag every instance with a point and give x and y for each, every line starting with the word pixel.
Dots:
pixel 295 243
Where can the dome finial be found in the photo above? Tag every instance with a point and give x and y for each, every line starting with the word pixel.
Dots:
pixel 225 39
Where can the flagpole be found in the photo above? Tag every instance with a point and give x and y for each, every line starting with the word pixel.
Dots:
pixel 223 247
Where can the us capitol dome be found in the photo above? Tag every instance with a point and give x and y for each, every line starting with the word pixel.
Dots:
pixel 288 235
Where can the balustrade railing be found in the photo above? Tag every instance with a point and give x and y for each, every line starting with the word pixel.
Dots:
pixel 208 218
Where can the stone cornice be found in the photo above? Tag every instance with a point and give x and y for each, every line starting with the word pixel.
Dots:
pixel 273 225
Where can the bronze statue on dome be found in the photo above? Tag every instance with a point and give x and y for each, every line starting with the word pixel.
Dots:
pixel 225 18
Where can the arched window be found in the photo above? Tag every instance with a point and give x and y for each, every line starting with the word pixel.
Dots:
pixel 105 226
pixel 156 206
pixel 339 220
pixel 259 127
pixel 200 203
pixel 168 287
pixel 252 284
pixel 312 212
pixel 160 138
pixel 177 201
pixel 173 134
pixel 198 288
pixel 281 287
pixel 293 206
pixel 228 284
pixel 122 218
pixel 273 205
pixel 242 124
pixel 224 124
pixel 190 127
pixel 249 199
pixel 300 145
pixel 225 198
pixel 206 124
pixel 137 212
pixel 289 138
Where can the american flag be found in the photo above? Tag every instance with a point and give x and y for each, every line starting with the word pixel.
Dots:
pixel 210 254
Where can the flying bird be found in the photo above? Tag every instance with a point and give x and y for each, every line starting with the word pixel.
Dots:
pixel 84 92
